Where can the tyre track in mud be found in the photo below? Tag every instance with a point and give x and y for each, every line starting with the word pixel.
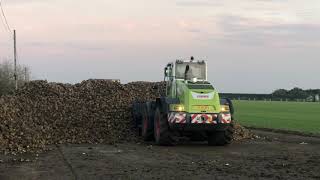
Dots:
pixel 67 163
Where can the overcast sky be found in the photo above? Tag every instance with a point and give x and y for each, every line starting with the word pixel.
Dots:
pixel 252 46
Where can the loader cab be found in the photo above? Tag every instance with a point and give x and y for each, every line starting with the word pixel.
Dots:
pixel 188 72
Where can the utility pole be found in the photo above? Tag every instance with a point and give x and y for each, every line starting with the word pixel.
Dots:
pixel 15 59
pixel 25 74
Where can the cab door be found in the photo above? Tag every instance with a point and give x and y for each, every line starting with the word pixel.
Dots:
pixel 170 81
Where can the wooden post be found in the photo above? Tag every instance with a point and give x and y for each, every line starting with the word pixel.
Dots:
pixel 15 59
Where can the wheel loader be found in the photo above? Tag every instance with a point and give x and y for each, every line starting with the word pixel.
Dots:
pixel 191 108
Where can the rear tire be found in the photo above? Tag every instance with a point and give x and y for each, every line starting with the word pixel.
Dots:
pixel 162 133
pixel 221 138
pixel 147 125
pixel 137 116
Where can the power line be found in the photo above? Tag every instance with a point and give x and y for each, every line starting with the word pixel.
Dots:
pixel 4 16
pixel 5 19
pixel 4 24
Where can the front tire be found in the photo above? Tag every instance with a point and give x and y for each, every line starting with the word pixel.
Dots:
pixel 221 138
pixel 198 136
pixel 162 133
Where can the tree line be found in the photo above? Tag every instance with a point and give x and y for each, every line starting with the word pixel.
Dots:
pixel 7 81
pixel 295 94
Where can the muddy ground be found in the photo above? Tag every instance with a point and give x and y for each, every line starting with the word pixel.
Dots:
pixel 272 156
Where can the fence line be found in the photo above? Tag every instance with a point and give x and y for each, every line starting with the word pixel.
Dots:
pixel 271 99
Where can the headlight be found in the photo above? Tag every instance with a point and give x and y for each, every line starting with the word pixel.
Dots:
pixel 225 108
pixel 178 107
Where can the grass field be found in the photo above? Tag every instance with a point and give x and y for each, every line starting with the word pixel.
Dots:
pixel 295 116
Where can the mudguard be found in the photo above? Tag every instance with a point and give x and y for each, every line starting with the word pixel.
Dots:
pixel 164 102
pixel 224 101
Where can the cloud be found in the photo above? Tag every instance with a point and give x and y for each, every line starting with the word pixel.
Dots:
pixel 197 3
pixel 194 30
pixel 79 46
pixel 22 1
pixel 253 32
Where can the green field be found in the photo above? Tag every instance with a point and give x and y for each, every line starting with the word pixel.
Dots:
pixel 294 116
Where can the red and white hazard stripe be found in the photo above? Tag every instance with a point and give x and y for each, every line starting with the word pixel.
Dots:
pixel 226 118
pixel 179 118
pixel 204 118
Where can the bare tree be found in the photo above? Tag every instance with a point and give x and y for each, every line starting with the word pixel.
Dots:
pixel 7 84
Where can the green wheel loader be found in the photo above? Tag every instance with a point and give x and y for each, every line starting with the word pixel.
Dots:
pixel 191 108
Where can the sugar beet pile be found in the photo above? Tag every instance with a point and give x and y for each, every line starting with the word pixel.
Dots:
pixel 93 111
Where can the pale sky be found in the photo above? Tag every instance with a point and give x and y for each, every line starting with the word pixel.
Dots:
pixel 252 46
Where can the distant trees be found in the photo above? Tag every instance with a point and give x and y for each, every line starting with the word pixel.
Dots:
pixel 280 93
pixel 295 93
pixel 7 84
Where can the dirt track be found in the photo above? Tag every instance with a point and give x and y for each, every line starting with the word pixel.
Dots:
pixel 278 156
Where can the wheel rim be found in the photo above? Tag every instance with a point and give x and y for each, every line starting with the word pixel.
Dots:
pixel 145 125
pixel 158 127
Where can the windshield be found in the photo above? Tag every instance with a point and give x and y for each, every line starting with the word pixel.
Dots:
pixel 196 70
